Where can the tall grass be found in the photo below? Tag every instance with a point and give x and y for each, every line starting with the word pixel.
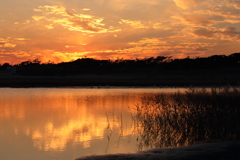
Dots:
pixel 177 119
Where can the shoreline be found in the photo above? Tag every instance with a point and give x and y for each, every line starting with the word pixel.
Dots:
pixel 17 81
pixel 215 150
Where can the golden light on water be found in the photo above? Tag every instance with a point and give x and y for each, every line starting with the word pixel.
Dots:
pixel 55 119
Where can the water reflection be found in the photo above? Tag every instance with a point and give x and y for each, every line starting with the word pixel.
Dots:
pixel 172 120
pixel 67 123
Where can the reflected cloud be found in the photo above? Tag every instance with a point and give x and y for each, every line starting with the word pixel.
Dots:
pixel 54 119
pixel 80 132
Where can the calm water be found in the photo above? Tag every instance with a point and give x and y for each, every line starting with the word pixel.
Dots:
pixel 66 123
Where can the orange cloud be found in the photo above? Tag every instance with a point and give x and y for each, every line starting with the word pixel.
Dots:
pixel 50 26
pixel 85 25
pixel 227 33
pixel 186 4
pixel 126 4
pixel 228 16
pixel 73 22
pixel 6 43
pixel 38 17
pixel 134 24
pixel 234 3
pixel 149 41
pixel 21 39
pixel 204 33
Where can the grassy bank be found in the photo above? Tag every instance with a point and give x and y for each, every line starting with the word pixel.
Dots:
pixel 179 119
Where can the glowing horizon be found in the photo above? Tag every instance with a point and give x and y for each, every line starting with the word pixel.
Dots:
pixel 61 31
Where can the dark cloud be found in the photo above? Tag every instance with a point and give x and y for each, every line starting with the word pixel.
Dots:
pixel 199 19
pixel 227 33
pixel 3 51
pixel 70 14
pixel 201 49
pixel 204 33
pixel 230 31
pixel 86 25
pixel 192 54
pixel 235 3
pixel 166 53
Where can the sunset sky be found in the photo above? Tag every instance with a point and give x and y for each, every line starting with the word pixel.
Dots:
pixel 65 30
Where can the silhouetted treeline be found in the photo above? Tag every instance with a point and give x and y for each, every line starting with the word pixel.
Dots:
pixel 153 64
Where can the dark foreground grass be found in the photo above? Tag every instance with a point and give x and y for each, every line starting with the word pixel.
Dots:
pixel 180 119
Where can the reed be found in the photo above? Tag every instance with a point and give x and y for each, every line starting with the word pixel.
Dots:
pixel 184 118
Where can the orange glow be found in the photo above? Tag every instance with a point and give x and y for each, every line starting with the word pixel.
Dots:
pixel 63 31
pixel 52 119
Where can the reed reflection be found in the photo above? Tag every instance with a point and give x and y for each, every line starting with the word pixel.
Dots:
pixel 184 118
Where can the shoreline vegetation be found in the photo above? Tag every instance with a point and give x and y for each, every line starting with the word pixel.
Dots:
pixel 195 124
pixel 186 118
pixel 217 70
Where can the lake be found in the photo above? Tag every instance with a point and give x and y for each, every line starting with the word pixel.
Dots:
pixel 66 123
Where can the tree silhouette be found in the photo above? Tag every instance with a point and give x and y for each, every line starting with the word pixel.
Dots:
pixel 145 65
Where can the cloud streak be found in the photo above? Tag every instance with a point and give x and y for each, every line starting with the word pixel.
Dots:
pixel 72 21
pixel 227 33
